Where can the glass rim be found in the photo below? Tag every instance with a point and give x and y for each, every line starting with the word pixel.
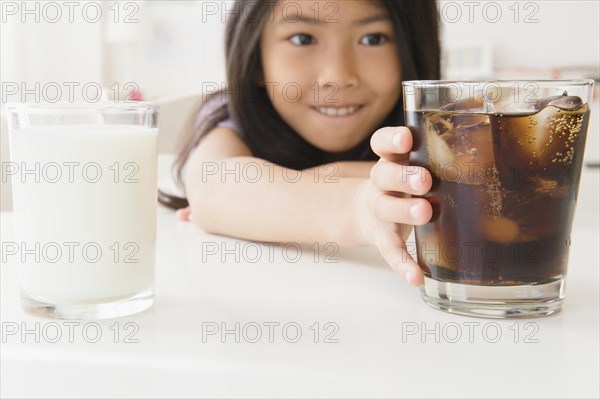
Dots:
pixel 549 82
pixel 120 106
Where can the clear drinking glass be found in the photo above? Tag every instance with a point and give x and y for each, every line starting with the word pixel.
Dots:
pixel 506 160
pixel 84 195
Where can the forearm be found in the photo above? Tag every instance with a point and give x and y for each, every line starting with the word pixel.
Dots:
pixel 264 202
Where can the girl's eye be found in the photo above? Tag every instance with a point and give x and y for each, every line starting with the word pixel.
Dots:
pixel 302 39
pixel 373 39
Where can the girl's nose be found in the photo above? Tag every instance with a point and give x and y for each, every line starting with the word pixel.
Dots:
pixel 338 69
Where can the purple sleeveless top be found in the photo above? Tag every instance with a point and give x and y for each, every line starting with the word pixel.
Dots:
pixel 208 108
pixel 211 106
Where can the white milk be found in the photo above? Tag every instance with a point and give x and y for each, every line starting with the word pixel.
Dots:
pixel 64 218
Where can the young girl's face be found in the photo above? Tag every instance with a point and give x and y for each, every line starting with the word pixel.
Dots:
pixel 331 69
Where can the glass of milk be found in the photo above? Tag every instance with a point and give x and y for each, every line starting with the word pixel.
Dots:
pixel 84 197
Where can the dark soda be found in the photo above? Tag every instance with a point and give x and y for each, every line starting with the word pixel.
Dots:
pixel 504 191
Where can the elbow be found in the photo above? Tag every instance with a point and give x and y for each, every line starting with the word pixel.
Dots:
pixel 200 203
pixel 203 211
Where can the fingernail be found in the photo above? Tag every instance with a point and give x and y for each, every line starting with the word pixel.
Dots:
pixel 397 139
pixel 415 181
pixel 414 211
pixel 408 276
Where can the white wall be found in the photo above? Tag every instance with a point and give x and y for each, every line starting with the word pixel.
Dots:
pixel 546 33
pixel 170 48
pixel 46 52
pixel 182 43
pixel 187 47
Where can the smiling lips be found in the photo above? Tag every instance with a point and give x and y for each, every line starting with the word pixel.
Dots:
pixel 338 111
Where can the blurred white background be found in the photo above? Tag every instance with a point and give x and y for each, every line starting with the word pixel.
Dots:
pixel 175 46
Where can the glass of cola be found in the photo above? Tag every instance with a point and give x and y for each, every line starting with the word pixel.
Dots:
pixel 506 160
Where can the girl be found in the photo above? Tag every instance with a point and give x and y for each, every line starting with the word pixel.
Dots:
pixel 314 110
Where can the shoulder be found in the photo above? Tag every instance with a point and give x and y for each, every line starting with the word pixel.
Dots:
pixel 220 143
pixel 217 145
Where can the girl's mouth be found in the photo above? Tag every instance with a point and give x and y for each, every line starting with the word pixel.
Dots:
pixel 338 111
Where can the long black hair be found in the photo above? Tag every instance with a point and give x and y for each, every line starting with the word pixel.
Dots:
pixel 261 128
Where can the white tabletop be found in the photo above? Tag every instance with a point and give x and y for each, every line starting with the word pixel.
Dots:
pixel 372 331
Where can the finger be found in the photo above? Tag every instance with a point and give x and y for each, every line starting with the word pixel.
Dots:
pixel 389 176
pixel 413 211
pixel 392 143
pixel 395 253
pixel 183 214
